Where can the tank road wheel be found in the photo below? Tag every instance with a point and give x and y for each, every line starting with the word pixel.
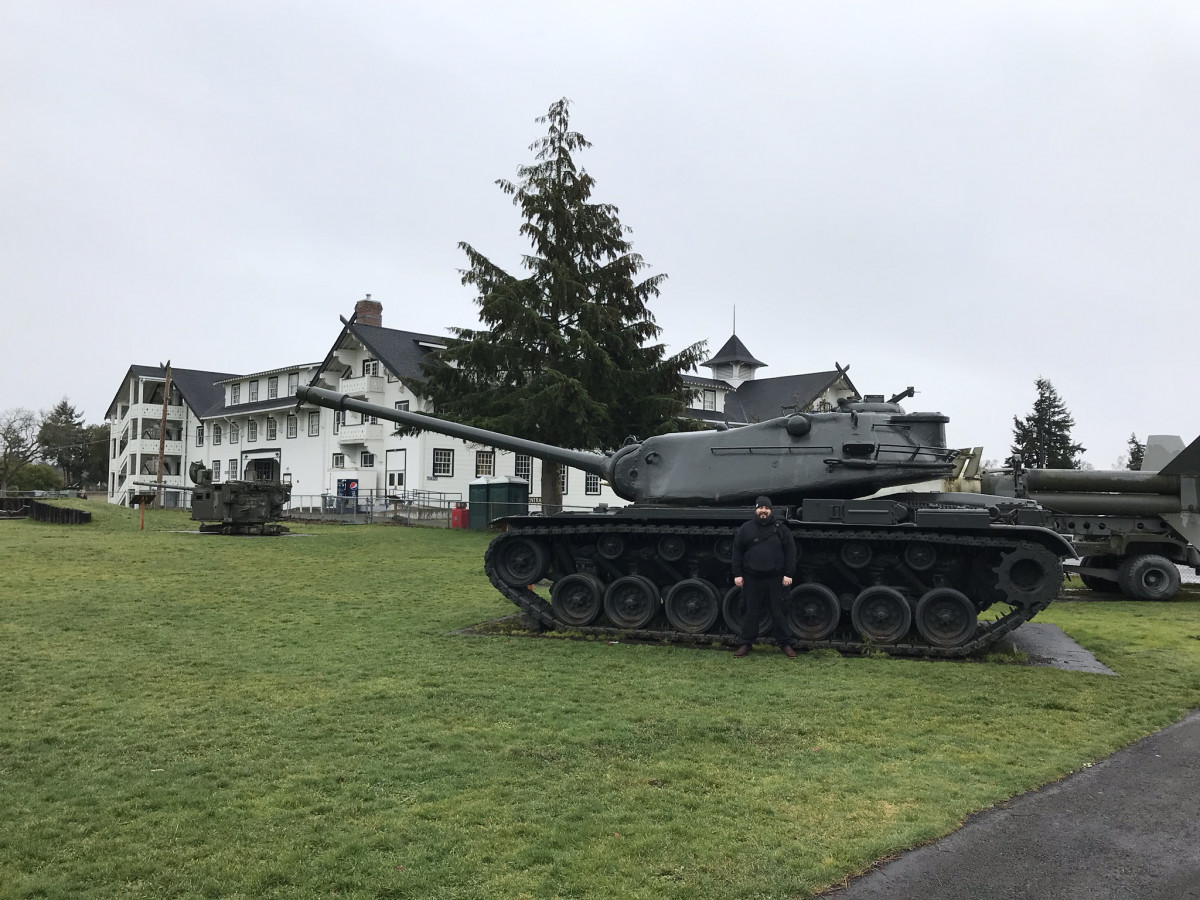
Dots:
pixel 723 549
pixel 521 561
pixel 946 618
pixel 1148 577
pixel 577 598
pixel 856 554
pixel 812 612
pixel 733 608
pixel 881 615
pixel 692 606
pixel 921 556
pixel 1030 575
pixel 610 546
pixel 631 601
pixel 672 547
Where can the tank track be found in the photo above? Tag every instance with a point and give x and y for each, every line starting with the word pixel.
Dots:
pixel 986 633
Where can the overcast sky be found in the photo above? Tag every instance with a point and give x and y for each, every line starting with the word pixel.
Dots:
pixel 962 197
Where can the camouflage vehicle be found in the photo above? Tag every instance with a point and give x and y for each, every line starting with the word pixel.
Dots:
pixel 237 507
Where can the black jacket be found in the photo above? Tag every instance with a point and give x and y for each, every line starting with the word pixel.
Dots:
pixel 763 549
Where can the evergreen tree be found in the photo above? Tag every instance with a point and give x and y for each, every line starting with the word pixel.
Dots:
pixel 1042 440
pixel 95 454
pixel 62 441
pixel 1137 452
pixel 566 356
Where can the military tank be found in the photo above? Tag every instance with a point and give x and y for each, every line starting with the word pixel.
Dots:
pixel 237 507
pixel 910 573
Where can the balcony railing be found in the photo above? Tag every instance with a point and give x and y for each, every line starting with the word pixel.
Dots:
pixel 154 411
pixel 364 386
pixel 359 434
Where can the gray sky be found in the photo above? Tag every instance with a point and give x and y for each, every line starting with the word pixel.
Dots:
pixel 960 197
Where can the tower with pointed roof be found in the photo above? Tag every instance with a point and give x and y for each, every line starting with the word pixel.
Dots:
pixel 734 363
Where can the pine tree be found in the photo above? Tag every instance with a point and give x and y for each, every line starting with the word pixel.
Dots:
pixel 567 354
pixel 62 440
pixel 1043 439
pixel 1137 452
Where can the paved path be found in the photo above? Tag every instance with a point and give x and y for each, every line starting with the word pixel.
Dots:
pixel 1127 827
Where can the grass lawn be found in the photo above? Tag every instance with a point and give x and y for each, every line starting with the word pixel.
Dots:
pixel 202 716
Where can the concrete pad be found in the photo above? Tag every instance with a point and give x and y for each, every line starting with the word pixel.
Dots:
pixel 1049 645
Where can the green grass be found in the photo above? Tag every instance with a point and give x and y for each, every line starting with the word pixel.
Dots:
pixel 199 716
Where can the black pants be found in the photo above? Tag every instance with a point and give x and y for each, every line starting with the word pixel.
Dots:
pixel 757 591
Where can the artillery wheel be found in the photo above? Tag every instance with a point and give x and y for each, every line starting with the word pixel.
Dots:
pixel 946 617
pixel 881 615
pixel 631 601
pixel 812 612
pixel 1030 575
pixel 521 561
pixel 1148 577
pixel 692 605
pixel 733 609
pixel 577 598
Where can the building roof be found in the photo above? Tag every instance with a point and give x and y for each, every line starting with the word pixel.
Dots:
pixel 734 351
pixel 198 388
pixel 400 352
pixel 769 398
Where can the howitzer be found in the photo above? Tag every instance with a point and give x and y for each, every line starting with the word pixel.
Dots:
pixel 910 572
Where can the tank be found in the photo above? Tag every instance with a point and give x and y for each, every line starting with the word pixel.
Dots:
pixel 910 573
pixel 237 507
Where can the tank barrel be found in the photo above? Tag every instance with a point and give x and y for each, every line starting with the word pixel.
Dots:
pixel 595 463
pixel 1092 481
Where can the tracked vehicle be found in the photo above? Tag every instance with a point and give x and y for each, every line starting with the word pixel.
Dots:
pixel 910 573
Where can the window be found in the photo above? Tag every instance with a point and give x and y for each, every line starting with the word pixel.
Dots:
pixel 339 460
pixel 710 400
pixel 272 429
pixel 314 424
pixel 370 367
pixel 252 391
pixel 292 427
pixel 231 472
pixel 443 463
pixel 233 433
pixel 591 483
pixel 562 479
pixel 402 405
pixel 524 467
pixel 293 383
pixel 251 431
pixel 200 435
pixel 366 460
pixel 339 419
pixel 485 463
pixel 216 470
pixel 391 376
pixel 235 394
pixel 272 387
pixel 216 435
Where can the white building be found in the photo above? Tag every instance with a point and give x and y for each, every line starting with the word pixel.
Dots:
pixel 249 426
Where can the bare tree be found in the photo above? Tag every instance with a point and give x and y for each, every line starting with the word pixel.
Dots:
pixel 18 442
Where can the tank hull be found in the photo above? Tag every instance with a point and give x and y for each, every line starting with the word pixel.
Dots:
pixel 873 578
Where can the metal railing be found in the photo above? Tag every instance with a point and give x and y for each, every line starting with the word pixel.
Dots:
pixel 430 508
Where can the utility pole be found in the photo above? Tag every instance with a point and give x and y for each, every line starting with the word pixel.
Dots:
pixel 162 433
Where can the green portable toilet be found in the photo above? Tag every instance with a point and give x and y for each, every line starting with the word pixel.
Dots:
pixel 491 498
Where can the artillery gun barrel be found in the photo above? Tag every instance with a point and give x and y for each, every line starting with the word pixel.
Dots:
pixel 1096 504
pixel 1091 481
pixel 595 463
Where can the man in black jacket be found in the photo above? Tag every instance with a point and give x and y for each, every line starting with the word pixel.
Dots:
pixel 764 558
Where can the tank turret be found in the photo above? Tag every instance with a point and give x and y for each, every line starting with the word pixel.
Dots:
pixel 851 452
pixel 909 572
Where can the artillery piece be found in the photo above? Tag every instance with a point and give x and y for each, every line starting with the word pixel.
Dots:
pixel 237 507
pixel 910 573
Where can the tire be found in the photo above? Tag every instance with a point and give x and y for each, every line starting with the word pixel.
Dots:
pixel 812 612
pixel 1093 583
pixel 1148 577
pixel 946 618
pixel 631 602
pixel 881 615
pixel 578 598
pixel 692 606
pixel 521 561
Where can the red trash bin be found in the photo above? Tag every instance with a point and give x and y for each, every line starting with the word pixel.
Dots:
pixel 460 516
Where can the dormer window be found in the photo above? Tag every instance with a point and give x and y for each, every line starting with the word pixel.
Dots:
pixel 235 394
pixel 253 391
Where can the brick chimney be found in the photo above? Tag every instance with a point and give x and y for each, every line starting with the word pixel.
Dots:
pixel 368 312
